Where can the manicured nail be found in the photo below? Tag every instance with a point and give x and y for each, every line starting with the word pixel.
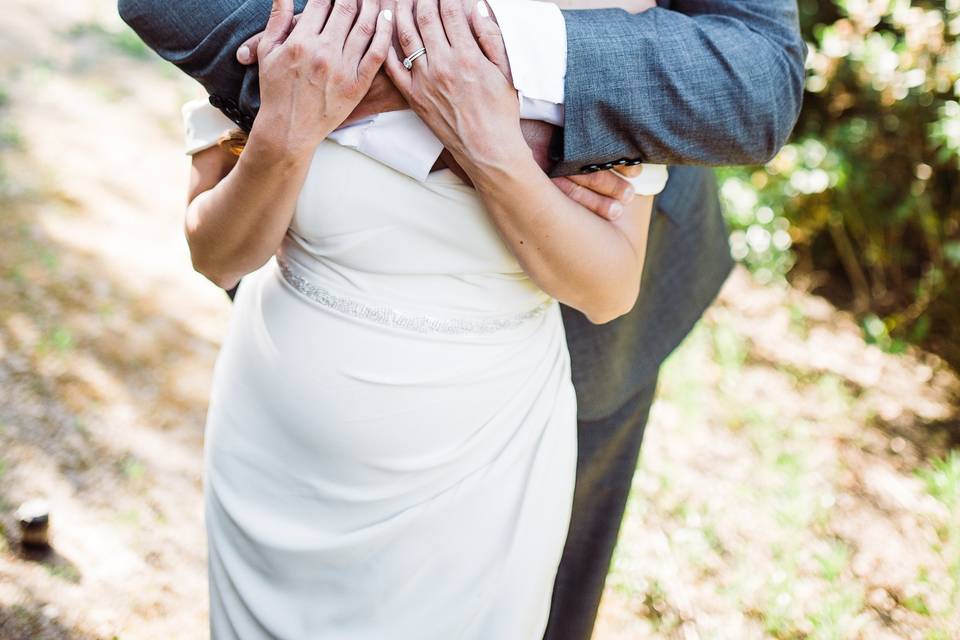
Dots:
pixel 387 15
pixel 482 9
pixel 616 210
pixel 243 55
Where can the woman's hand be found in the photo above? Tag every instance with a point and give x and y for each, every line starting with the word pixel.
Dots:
pixel 314 72
pixel 460 88
pixel 311 78
pixel 456 90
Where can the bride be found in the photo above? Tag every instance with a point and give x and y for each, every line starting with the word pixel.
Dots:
pixel 391 439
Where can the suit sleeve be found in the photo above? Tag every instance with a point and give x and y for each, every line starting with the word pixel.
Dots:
pixel 201 37
pixel 706 82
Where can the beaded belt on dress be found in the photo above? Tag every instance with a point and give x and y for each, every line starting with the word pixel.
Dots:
pixel 389 317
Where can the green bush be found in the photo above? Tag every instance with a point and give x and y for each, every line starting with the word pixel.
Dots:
pixel 866 199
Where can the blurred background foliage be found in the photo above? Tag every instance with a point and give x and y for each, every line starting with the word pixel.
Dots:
pixel 864 205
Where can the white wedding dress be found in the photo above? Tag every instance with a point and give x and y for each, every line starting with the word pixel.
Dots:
pixel 391 440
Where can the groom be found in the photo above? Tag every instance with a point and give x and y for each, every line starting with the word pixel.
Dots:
pixel 690 82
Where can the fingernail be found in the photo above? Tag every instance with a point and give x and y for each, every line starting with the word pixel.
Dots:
pixel 387 15
pixel 616 210
pixel 628 194
pixel 243 55
pixel 482 9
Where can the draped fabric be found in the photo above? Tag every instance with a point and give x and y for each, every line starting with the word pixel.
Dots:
pixel 391 440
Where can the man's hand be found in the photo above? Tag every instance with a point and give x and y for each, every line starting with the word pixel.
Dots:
pixel 603 192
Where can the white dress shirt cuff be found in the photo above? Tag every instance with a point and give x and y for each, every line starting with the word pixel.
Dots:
pixel 203 126
pixel 650 182
pixel 533 109
pixel 535 37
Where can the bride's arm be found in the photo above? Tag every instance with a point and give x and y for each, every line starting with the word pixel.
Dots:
pixel 240 209
pixel 238 214
pixel 591 264
pixel 587 262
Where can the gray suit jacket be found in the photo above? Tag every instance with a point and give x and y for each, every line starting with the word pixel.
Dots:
pixel 691 82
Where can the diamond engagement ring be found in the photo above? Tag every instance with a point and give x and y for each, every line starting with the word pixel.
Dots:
pixel 408 61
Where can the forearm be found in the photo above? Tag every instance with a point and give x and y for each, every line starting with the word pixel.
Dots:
pixel 586 262
pixel 708 83
pixel 236 226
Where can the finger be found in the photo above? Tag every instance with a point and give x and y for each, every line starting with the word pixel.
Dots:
pixel 456 26
pixel 630 170
pixel 400 77
pixel 407 33
pixel 606 183
pixel 606 208
pixel 278 26
pixel 247 52
pixel 379 47
pixel 312 20
pixel 489 37
pixel 363 30
pixel 430 27
pixel 341 19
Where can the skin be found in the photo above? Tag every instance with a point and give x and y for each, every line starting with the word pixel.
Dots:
pixel 311 77
pixel 461 92
pixel 238 214
pixel 604 193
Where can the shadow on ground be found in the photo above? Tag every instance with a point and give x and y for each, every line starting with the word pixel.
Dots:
pixel 30 621
pixel 105 345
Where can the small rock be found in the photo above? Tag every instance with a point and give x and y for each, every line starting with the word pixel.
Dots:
pixel 34 519
pixel 898 444
pixel 880 599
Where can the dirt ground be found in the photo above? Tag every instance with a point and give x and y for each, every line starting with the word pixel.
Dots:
pixel 796 482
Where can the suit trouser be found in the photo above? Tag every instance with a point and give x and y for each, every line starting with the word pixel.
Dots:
pixel 606 460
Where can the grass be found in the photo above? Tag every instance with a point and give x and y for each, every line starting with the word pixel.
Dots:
pixel 9 138
pixel 63 571
pixel 941 480
pixel 4 465
pixel 131 468
pixel 765 532
pixel 59 341
pixel 124 41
